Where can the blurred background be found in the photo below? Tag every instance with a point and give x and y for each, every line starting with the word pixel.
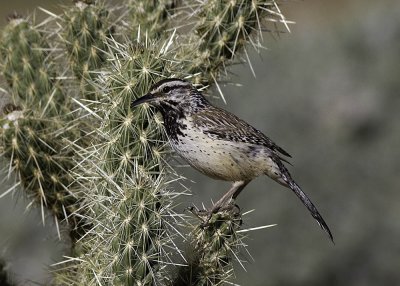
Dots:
pixel 329 94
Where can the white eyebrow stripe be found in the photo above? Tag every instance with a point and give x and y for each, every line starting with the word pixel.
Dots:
pixel 173 84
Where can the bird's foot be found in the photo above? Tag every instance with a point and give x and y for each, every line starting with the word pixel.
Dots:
pixel 200 213
pixel 206 216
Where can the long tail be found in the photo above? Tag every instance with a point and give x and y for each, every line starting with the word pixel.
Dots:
pixel 290 183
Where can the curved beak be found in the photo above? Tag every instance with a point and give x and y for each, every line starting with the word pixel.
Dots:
pixel 145 98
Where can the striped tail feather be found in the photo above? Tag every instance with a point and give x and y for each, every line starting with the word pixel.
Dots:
pixel 287 181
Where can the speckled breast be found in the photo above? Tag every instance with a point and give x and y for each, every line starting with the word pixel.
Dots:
pixel 219 159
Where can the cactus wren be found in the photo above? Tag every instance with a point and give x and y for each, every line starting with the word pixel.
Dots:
pixel 218 143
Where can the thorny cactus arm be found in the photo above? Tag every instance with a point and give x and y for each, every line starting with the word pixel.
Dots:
pixel 223 29
pixel 130 203
pixel 87 27
pixel 151 17
pixel 33 131
pixel 29 71
pixel 213 251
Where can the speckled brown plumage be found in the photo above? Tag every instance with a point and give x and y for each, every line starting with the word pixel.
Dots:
pixel 218 143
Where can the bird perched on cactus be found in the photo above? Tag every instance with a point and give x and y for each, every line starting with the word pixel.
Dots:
pixel 219 144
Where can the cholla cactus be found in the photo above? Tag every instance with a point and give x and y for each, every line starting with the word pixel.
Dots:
pixel 123 174
pixel 130 201
pixel 34 128
pixel 223 29
pixel 210 262
pixel 29 71
pixel 87 26
pixel 151 17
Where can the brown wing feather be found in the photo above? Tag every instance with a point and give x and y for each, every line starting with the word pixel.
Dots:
pixel 227 126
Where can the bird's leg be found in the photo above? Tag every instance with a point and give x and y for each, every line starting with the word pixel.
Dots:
pixel 233 192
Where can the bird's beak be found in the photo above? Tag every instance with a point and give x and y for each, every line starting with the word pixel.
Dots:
pixel 145 98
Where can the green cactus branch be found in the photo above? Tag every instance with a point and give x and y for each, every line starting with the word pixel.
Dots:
pixel 223 29
pixel 34 131
pixel 151 17
pixel 135 204
pixel 214 248
pixel 87 26
pixel 29 71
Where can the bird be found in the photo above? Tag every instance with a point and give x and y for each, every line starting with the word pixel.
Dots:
pixel 219 144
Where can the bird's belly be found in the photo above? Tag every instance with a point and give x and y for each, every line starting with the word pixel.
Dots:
pixel 219 159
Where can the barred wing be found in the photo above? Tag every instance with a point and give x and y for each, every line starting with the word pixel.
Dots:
pixel 224 125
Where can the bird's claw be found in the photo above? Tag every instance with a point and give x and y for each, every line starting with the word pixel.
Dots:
pixel 206 215
pixel 203 215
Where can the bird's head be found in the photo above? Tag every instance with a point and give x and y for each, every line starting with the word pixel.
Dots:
pixel 171 94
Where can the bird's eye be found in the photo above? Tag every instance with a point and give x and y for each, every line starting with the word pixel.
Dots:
pixel 166 89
